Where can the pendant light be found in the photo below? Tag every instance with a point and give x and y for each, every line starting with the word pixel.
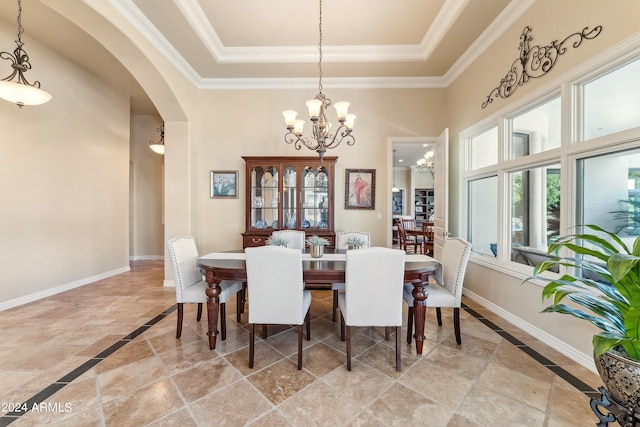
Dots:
pixel 20 91
pixel 393 169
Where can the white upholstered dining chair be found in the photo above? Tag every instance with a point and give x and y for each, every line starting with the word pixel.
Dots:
pixel 190 287
pixel 342 239
pixel 373 293
pixel 454 259
pixel 295 238
pixel 276 292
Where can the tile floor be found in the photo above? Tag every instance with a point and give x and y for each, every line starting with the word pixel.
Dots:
pixel 106 355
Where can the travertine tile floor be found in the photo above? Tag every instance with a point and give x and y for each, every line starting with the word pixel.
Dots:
pixel 154 379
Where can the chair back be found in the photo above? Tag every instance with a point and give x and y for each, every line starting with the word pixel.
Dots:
pixel 409 223
pixel 183 253
pixel 373 289
pixel 402 235
pixel 343 236
pixel 295 238
pixel 454 259
pixel 274 285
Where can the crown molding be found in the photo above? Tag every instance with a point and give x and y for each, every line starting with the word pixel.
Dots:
pixel 292 54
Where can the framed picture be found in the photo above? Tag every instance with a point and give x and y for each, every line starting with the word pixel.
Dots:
pixel 224 184
pixel 360 189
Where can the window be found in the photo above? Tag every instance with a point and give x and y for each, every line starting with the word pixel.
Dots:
pixel 483 215
pixel 484 149
pixel 536 130
pixel 535 212
pixel 541 186
pixel 612 203
pixel 611 102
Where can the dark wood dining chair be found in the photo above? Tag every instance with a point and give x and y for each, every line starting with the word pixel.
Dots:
pixel 427 236
pixel 405 243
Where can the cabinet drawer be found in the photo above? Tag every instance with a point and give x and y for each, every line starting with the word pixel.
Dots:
pixel 251 241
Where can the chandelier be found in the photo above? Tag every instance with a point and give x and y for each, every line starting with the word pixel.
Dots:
pixel 322 138
pixel 158 147
pixel 21 92
pixel 426 163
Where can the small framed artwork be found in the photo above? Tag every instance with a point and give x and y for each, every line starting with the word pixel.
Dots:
pixel 360 189
pixel 224 184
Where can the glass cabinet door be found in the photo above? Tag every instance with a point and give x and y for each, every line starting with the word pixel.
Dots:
pixel 315 198
pixel 289 197
pixel 264 197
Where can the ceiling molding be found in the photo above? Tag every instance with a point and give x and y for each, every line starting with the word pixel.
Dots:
pixel 327 83
pixel 507 17
pixel 303 54
pixel 441 24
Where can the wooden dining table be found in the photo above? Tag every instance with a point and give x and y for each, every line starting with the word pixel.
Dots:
pixel 330 268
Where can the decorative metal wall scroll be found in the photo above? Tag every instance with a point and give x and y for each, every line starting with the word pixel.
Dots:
pixel 536 61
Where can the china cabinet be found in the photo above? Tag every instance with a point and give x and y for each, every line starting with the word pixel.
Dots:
pixel 288 193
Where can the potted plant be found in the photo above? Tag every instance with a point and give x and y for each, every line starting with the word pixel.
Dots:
pixel 355 242
pixel 316 245
pixel 607 285
pixel 277 241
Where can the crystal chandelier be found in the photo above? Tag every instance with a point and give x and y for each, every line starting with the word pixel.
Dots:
pixel 21 92
pixel 158 147
pixel 426 163
pixel 322 138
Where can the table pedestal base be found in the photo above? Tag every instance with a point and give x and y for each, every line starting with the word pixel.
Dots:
pixel 626 417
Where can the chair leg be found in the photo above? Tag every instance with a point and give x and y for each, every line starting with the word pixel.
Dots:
pixel 348 347
pixel 439 316
pixel 409 325
pixel 252 335
pixel 335 305
pixel 398 358
pixel 179 325
pixel 342 328
pixel 307 320
pixel 239 305
pixel 456 324
pixel 264 332
pixel 387 333
pixel 299 347
pixel 223 320
pixel 199 312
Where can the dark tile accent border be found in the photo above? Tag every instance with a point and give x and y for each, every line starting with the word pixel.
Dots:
pixel 561 372
pixel 43 395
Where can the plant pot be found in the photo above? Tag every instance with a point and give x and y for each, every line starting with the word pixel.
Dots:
pixel 620 376
pixel 352 247
pixel 316 251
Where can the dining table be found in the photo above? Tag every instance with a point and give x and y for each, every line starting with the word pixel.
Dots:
pixel 316 272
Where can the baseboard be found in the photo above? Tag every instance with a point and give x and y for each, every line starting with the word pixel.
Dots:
pixel 147 258
pixel 169 283
pixel 53 291
pixel 577 356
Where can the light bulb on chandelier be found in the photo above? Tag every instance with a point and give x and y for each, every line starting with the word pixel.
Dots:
pixel 322 138
pixel 426 164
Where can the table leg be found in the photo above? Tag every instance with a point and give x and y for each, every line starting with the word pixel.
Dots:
pixel 213 308
pixel 419 312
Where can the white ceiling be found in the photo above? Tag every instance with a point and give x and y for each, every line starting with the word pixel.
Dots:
pixel 253 43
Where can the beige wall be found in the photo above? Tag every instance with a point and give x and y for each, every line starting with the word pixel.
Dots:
pixel 550 20
pixel 230 124
pixel 64 185
pixel 147 228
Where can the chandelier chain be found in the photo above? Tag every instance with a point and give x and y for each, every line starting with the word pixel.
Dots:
pixel 320 50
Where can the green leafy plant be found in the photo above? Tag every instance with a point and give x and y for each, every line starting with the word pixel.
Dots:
pixel 355 241
pixel 277 241
pixel 608 287
pixel 317 241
